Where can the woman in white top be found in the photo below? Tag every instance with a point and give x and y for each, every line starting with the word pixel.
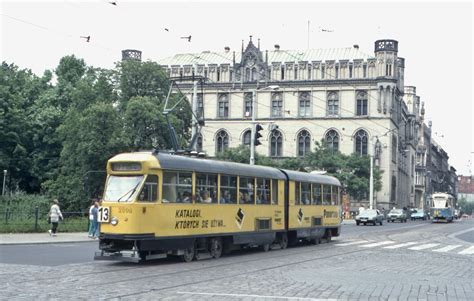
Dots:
pixel 55 215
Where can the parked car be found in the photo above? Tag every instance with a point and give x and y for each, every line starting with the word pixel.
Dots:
pixel 457 213
pixel 419 214
pixel 369 216
pixel 397 215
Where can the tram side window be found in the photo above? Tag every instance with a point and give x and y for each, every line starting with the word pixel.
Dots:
pixel 177 187
pixel 263 191
pixel 333 195
pixel 246 191
pixel 317 194
pixel 149 191
pixel 326 194
pixel 274 192
pixel 228 190
pixel 206 188
pixel 297 193
pixel 305 193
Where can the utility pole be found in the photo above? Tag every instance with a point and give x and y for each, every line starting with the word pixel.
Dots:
pixel 252 135
pixel 371 185
pixel 195 110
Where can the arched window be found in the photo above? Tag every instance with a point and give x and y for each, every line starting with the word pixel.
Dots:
pixel 332 140
pixel 361 139
pixel 248 104
pixel 277 105
pixel 304 143
pixel 333 104
pixel 276 144
pixel 199 143
pixel 362 104
pixel 223 105
pixel 254 74
pixel 222 141
pixel 304 104
pixel 246 137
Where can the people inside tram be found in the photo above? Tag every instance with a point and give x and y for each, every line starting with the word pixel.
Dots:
pixel 205 198
pixel 226 197
pixel 186 197
pixel 244 198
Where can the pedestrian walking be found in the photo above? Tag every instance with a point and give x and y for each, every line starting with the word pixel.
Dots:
pixel 95 222
pixel 55 216
pixel 91 220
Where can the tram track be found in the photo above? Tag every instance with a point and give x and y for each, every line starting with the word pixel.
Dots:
pixel 134 294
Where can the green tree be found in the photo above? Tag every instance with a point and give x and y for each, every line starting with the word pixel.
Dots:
pixel 353 171
pixel 241 154
pixel 466 206
pixel 19 93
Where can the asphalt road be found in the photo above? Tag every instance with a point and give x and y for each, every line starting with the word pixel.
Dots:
pixel 414 260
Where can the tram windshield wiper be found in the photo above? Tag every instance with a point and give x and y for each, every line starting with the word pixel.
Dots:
pixel 130 192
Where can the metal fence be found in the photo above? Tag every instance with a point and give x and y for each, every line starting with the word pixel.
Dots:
pixel 36 220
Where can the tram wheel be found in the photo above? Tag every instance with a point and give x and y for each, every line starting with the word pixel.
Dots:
pixel 328 236
pixel 188 255
pixel 215 247
pixel 283 241
pixel 315 241
pixel 265 247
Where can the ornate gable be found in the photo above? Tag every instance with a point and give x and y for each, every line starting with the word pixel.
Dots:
pixel 252 67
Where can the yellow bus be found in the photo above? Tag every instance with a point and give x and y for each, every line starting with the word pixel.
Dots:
pixel 160 204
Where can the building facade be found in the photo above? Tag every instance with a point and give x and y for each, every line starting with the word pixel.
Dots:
pixel 466 188
pixel 352 100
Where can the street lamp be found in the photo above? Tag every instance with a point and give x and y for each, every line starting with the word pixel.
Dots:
pixel 4 178
pixel 252 135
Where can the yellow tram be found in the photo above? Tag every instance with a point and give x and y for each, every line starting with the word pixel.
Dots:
pixel 159 204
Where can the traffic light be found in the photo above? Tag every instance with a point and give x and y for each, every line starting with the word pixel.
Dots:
pixel 258 128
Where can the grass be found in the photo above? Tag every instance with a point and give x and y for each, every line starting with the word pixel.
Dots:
pixel 27 225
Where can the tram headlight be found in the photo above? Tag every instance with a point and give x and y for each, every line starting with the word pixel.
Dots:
pixel 114 221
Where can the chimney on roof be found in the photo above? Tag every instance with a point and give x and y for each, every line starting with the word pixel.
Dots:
pixel 277 47
pixel 356 46
pixel 227 49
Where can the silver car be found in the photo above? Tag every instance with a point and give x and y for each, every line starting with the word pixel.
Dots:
pixel 369 216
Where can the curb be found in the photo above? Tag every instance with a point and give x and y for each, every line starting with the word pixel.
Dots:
pixel 44 242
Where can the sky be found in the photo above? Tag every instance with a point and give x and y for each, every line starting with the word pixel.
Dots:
pixel 435 38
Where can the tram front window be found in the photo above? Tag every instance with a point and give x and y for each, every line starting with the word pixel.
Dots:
pixel 122 188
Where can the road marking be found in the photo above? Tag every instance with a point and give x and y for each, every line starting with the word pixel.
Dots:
pixel 387 242
pixel 401 245
pixel 467 251
pixel 352 243
pixel 447 248
pixel 252 296
pixel 422 247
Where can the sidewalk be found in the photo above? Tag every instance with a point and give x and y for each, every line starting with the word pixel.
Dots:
pixel 42 238
pixel 349 222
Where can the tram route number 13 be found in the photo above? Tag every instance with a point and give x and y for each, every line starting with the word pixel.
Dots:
pixel 103 214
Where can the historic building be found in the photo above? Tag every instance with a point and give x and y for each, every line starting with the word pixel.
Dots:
pixel 352 100
pixel 466 188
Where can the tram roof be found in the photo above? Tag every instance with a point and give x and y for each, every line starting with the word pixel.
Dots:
pixel 309 177
pixel 177 162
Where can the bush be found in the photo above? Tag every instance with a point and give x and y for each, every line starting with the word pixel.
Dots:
pixel 18 214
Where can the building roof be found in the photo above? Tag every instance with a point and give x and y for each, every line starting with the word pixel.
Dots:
pixel 207 57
